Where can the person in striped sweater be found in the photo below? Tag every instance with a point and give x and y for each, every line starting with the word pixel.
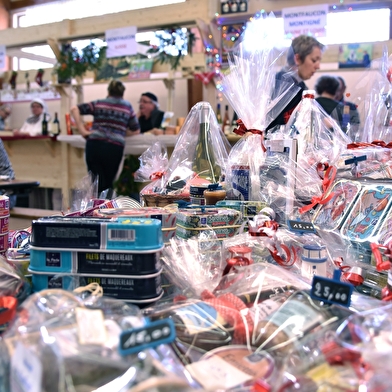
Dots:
pixel 113 120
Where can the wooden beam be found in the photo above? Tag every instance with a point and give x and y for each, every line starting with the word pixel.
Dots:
pixel 19 4
pixel 182 14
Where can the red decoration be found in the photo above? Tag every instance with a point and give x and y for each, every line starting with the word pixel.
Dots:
pixel 38 77
pixel 204 77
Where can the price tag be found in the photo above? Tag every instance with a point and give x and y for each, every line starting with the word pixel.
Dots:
pixel 301 227
pixel 150 335
pixel 332 291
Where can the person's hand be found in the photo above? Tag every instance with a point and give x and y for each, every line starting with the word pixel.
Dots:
pixel 16 132
pixel 84 132
pixel 156 131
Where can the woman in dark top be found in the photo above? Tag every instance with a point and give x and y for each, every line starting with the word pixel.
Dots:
pixel 326 87
pixel 303 60
pixel 150 117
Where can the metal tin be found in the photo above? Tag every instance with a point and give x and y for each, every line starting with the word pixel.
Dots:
pixel 367 213
pixel 330 216
pixel 49 260
pixel 129 287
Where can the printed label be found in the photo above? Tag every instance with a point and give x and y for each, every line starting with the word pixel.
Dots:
pixel 262 310
pixel 26 370
pixel 200 317
pixel 91 326
pixel 217 374
pixel 53 259
pixel 241 179
pixel 295 318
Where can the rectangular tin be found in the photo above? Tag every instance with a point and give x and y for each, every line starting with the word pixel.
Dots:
pixel 330 216
pixel 367 213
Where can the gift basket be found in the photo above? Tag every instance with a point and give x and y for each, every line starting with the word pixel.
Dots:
pixel 249 86
pixel 60 341
pixel 199 158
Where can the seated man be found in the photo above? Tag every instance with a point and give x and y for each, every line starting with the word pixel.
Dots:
pixel 150 117
pixel 5 111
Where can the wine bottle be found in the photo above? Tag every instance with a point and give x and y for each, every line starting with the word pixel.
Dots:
pixel 44 125
pixel 56 125
pixel 234 121
pixel 226 121
pixel 225 7
pixel 205 164
pixel 234 6
pixel 243 5
pixel 219 114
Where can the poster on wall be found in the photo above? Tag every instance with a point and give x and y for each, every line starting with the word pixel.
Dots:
pixel 355 55
pixel 140 69
pixel 308 20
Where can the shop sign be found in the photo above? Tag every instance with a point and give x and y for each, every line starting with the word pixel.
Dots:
pixel 308 20
pixel 121 42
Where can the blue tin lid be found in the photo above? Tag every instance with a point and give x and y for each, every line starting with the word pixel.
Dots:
pixel 314 253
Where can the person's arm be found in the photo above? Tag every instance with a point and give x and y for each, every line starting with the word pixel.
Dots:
pixel 132 133
pixel 133 126
pixel 79 121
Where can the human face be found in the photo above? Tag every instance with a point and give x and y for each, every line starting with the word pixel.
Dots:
pixel 36 108
pixel 146 106
pixel 308 67
pixel 4 113
pixel 340 91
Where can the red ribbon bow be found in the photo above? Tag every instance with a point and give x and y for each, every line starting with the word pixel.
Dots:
pixel 204 77
pixel 241 130
pixel 156 175
pixel 328 180
pixel 269 224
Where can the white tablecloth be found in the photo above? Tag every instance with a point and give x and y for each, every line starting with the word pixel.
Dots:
pixel 134 145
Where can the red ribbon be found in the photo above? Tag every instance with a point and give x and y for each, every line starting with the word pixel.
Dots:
pixel 241 130
pixel 328 180
pixel 229 307
pixel 156 175
pixel 291 257
pixel 260 232
pixel 381 265
pixel 374 143
pixel 235 261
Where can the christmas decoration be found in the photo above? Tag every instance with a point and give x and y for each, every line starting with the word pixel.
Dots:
pixel 38 77
pixel 204 77
pixel 73 62
pixel 171 45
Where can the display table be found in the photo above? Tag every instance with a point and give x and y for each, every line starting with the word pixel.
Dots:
pixel 17 186
pixel 134 145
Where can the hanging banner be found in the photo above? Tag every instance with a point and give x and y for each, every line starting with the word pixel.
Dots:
pixel 308 20
pixel 121 42
pixel 2 56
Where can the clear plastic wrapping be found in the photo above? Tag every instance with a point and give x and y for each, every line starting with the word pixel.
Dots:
pixel 320 139
pixel 199 156
pixel 153 163
pixel 249 86
pixel 66 343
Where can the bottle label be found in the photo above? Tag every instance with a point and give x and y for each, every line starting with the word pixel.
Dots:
pixel 295 318
pixel 200 317
pixel 390 278
pixel 263 310
pixel 241 179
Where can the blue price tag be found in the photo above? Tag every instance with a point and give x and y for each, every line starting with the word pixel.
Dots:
pixel 332 291
pixel 301 227
pixel 150 335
